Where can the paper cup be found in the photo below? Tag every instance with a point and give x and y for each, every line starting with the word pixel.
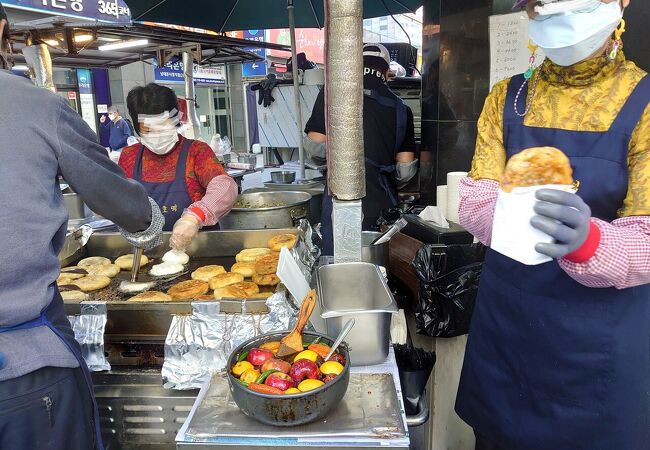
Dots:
pixel 453 194
pixel 441 199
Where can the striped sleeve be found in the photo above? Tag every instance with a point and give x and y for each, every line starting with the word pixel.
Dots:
pixel 622 259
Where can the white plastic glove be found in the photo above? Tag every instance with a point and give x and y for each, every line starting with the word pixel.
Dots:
pixel 185 230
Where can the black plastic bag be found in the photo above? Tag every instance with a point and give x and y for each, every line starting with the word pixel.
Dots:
pixel 415 366
pixel 449 279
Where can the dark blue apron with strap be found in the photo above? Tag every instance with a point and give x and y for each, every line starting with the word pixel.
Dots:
pixel 171 196
pixel 551 364
pixel 385 171
pixel 55 319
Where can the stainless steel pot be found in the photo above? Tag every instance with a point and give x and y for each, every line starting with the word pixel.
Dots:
pixel 315 204
pixel 283 176
pixel 295 206
pixel 292 409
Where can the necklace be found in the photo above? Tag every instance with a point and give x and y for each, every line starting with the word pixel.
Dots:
pixel 529 100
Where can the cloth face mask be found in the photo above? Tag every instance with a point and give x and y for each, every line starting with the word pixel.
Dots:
pixel 571 37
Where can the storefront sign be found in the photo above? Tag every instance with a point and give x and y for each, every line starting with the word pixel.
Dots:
pixel 309 41
pixel 86 98
pixel 173 73
pixel 257 68
pixel 102 10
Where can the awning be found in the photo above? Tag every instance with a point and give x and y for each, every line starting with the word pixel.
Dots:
pixel 75 43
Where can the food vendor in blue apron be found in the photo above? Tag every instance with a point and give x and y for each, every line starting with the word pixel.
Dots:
pixel 183 175
pixel 558 354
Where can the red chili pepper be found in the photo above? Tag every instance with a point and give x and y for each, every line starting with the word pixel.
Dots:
pixel 264 389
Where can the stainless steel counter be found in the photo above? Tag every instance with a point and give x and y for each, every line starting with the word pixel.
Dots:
pixel 371 415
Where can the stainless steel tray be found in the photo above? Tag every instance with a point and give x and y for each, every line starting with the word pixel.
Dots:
pixel 370 409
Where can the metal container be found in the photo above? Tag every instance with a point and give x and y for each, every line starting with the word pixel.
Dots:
pixel 283 176
pixel 375 254
pixel 247 158
pixel 359 291
pixel 293 409
pixel 75 205
pixel 295 206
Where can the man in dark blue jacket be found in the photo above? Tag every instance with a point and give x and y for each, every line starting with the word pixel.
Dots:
pixel 119 128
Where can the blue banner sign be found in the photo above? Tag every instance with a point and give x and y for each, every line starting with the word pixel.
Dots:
pixel 102 10
pixel 84 81
pixel 257 68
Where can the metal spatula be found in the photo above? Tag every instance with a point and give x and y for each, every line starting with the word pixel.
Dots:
pixel 292 343
pixel 132 286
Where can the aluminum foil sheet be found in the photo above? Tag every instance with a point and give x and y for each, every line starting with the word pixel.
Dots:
pixel 40 62
pixel 74 242
pixel 346 224
pixel 198 345
pixel 344 99
pixel 369 410
pixel 88 330
pixel 306 251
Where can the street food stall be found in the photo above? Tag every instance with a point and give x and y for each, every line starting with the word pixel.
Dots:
pixel 152 353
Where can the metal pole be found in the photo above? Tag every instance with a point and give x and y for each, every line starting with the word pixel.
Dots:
pixel 344 127
pixel 190 94
pixel 296 87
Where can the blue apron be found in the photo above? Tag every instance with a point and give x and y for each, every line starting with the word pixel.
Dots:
pixel 384 172
pixel 55 319
pixel 171 196
pixel 551 364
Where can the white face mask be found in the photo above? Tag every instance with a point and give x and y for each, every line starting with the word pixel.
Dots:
pixel 111 116
pixel 160 142
pixel 571 37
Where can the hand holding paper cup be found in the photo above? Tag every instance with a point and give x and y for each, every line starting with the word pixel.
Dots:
pixel 527 172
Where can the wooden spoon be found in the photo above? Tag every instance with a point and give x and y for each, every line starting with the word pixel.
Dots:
pixel 292 343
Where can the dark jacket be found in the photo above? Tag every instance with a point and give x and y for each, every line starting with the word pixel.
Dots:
pixel 119 133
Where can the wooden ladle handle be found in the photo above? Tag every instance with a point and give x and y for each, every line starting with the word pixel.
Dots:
pixel 307 307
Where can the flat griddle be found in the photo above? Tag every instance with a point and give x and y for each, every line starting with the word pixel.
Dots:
pixel 112 293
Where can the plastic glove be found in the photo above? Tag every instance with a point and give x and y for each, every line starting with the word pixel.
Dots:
pixel 152 236
pixel 565 217
pixel 185 230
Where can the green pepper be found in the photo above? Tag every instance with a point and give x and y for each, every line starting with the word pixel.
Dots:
pixel 262 378
pixel 243 383
pixel 242 357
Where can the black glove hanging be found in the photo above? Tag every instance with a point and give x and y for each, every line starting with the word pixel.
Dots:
pixel 265 87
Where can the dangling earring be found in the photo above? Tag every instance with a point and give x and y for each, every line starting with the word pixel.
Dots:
pixel 531 61
pixel 617 43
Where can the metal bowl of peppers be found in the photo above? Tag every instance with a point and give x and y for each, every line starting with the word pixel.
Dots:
pixel 292 391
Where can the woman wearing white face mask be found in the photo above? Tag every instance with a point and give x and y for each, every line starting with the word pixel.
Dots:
pixel 558 355
pixel 182 175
